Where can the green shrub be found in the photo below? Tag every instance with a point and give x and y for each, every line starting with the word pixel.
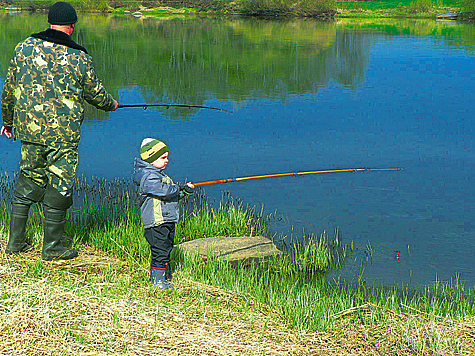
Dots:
pixel 315 8
pixel 304 8
pixel 35 5
pixel 265 7
pixel 468 5
pixel 98 5
pixel 420 6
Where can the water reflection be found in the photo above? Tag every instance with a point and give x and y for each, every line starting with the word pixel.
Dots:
pixel 189 62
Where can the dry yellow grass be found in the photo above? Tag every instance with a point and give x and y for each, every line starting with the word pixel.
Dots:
pixel 98 305
pixel 70 309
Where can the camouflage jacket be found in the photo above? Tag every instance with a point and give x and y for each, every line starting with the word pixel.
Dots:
pixel 48 80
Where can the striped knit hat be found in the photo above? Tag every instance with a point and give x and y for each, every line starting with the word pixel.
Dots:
pixel 151 149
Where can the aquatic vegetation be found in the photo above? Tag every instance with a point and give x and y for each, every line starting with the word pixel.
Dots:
pixel 311 254
pixel 309 302
pixel 105 215
pixel 231 218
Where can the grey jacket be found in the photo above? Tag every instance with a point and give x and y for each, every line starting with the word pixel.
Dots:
pixel 158 195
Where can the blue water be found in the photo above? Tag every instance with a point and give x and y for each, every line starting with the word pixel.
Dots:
pixel 412 108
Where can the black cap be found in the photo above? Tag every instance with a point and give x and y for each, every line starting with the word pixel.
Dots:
pixel 62 13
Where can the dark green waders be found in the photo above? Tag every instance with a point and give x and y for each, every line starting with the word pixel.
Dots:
pixel 55 208
pixel 26 194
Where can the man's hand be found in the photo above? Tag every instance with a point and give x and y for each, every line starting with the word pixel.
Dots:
pixel 116 105
pixel 7 130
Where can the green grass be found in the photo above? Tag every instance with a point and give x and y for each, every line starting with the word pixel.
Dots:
pixel 105 215
pixel 397 8
pixel 266 8
pixel 309 302
pixel 303 8
pixel 293 285
pixel 272 8
pixel 394 4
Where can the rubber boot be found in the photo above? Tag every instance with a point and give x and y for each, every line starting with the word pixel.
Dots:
pixel 26 194
pixel 55 208
pixel 157 277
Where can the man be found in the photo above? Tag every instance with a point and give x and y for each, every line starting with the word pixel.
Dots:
pixel 43 96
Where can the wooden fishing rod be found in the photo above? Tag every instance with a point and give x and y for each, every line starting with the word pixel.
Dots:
pixel 145 106
pixel 229 180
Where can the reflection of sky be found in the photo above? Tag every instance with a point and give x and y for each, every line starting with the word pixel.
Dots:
pixel 413 110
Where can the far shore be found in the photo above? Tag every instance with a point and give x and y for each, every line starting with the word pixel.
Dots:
pixel 322 9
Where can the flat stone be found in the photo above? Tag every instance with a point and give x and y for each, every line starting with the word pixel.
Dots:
pixel 236 250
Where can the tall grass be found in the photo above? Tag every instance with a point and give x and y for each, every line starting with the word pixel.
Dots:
pixel 293 284
pixel 230 218
pixel 469 7
pixel 309 302
pixel 269 8
pixel 105 215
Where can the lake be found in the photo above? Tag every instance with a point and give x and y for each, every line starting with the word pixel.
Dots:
pixel 304 95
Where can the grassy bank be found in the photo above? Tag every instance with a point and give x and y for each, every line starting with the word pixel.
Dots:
pixel 325 9
pixel 423 9
pixel 287 302
pixel 103 306
pixel 263 8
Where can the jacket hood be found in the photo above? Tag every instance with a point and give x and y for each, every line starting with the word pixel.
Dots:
pixel 141 168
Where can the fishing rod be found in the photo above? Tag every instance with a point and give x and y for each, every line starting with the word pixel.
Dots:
pixel 229 180
pixel 145 106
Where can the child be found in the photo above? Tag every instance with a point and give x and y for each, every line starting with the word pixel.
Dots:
pixel 158 200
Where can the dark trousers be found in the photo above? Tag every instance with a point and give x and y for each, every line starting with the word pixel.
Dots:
pixel 161 239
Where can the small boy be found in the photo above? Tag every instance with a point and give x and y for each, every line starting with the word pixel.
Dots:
pixel 158 200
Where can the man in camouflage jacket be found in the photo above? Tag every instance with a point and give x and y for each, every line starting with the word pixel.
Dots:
pixel 48 80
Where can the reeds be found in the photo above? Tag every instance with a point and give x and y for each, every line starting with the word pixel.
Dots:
pixel 307 301
pixel 231 218
pixel 105 215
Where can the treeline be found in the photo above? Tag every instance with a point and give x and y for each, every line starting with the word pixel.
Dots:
pixel 265 8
